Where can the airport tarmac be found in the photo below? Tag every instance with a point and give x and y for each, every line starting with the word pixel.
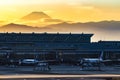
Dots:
pixel 58 69
pixel 58 72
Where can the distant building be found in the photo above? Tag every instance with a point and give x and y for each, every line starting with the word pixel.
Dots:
pixel 59 46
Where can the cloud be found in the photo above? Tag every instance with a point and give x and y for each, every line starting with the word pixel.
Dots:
pixel 3 22
pixel 53 20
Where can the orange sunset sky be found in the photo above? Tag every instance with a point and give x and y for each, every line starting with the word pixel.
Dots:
pixel 72 11
pixel 69 10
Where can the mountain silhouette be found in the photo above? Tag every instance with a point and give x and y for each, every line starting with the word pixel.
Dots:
pixel 88 26
pixel 12 27
pixel 36 16
pixel 38 19
pixel 108 29
pixel 103 30
pixel 70 27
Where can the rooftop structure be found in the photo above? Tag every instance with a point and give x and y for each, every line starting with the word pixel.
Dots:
pixel 45 37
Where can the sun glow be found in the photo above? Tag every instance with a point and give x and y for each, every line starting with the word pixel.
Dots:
pixel 26 2
pixel 70 10
pixel 8 2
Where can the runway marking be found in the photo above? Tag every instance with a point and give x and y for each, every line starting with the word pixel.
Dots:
pixel 56 76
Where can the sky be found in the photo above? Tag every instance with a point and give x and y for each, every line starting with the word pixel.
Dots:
pixel 69 10
pixel 11 11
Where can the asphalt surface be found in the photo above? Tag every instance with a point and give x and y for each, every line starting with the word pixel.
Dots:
pixel 59 72
pixel 58 69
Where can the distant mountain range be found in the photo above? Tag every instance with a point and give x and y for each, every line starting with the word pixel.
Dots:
pixel 102 29
pixel 88 26
pixel 67 27
pixel 21 28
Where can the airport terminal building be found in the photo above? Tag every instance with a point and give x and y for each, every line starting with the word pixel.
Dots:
pixel 55 47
